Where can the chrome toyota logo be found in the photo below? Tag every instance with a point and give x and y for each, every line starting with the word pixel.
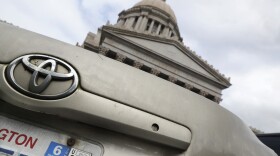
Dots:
pixel 42 77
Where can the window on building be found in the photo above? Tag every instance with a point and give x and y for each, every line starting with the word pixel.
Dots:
pixel 163 76
pixel 124 20
pixel 172 34
pixel 161 29
pixel 148 24
pixel 210 97
pixel 135 21
pixel 128 61
pixel 111 54
pixel 154 29
pixel 146 69
pixel 196 90
pixel 180 83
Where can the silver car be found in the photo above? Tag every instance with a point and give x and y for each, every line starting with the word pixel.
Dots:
pixel 58 99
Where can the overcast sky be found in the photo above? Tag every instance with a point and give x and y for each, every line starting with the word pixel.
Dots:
pixel 241 38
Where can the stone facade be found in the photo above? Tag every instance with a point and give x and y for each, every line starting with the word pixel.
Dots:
pixel 147 38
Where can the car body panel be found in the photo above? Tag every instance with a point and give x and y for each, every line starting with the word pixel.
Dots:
pixel 215 131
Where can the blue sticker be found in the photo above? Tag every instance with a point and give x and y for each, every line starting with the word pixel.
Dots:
pixel 56 149
pixel 6 151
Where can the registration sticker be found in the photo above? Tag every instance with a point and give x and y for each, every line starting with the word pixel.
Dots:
pixel 56 149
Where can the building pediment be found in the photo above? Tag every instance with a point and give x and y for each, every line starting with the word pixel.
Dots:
pixel 167 50
pixel 170 52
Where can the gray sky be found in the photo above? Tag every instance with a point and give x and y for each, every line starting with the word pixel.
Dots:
pixel 241 38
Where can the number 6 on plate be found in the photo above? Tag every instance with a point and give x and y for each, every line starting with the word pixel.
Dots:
pixel 56 149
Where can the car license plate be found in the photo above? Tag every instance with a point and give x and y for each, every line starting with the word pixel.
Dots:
pixel 21 139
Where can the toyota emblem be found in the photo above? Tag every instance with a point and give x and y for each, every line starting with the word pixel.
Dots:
pixel 41 76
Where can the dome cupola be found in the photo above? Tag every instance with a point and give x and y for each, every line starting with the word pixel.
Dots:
pixel 158 4
pixel 152 17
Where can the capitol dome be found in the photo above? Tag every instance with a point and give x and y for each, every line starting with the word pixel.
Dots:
pixel 150 17
pixel 159 4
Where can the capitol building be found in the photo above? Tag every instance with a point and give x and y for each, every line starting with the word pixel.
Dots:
pixel 147 37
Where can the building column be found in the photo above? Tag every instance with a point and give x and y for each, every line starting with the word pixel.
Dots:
pixel 170 32
pixel 138 23
pixel 137 64
pixel 155 72
pixel 151 26
pixel 143 24
pixel 126 22
pixel 129 22
pixel 103 50
pixel 120 22
pixel 165 32
pixel 158 29
pixel 120 57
